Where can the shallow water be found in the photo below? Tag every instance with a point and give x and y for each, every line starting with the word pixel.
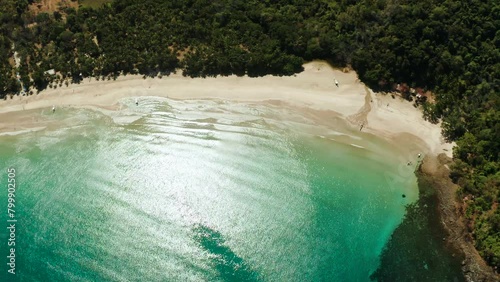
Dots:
pixel 201 191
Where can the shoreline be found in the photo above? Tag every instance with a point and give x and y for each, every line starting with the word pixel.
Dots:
pixel 434 234
pixel 458 239
pixel 314 88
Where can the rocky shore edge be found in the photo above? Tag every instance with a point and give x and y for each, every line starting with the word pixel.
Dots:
pixel 436 171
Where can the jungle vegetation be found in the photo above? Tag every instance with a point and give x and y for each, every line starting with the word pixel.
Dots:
pixel 451 48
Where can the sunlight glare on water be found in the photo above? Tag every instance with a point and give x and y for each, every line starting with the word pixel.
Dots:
pixel 201 190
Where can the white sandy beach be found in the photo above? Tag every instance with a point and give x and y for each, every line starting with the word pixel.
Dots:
pixel 313 89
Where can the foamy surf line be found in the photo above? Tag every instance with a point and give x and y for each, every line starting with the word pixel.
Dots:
pixel 23 131
pixel 357 146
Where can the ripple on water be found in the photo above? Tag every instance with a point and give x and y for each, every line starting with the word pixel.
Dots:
pixel 202 190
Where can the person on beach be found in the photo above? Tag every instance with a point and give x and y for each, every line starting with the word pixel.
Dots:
pixel 336 83
pixel 136 102
pixel 361 127
pixel 53 109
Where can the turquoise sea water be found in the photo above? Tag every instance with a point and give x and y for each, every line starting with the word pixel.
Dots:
pixel 200 191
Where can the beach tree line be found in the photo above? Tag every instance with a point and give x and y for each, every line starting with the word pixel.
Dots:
pixel 448 47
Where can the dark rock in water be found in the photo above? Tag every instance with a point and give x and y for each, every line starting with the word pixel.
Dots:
pixel 230 266
pixel 404 196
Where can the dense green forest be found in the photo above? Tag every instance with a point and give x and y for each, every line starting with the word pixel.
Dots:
pixel 451 48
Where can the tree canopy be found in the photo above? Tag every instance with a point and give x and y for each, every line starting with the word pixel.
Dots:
pixel 451 48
